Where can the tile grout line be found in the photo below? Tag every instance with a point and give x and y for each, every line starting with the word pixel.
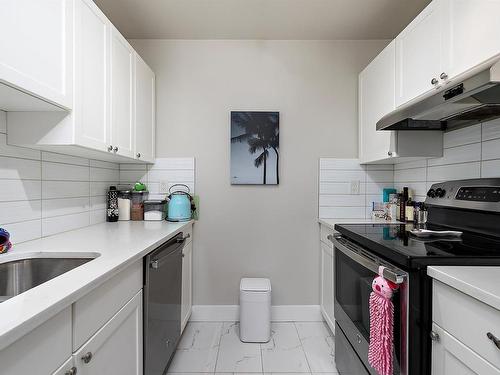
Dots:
pixel 218 347
pixel 302 347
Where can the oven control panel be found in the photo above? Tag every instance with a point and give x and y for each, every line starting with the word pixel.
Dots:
pixel 479 194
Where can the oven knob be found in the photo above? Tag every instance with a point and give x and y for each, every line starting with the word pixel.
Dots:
pixel 431 193
pixel 440 193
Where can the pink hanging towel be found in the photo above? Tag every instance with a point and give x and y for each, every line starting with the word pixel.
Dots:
pixel 381 325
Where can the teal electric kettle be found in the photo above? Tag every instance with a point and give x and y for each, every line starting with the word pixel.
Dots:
pixel 179 204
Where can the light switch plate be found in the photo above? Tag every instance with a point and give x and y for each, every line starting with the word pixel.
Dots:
pixel 355 187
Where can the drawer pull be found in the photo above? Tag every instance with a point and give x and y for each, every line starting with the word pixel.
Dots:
pixel 434 336
pixel 71 371
pixel 86 358
pixel 494 339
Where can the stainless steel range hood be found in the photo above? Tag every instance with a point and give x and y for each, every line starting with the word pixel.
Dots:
pixel 475 99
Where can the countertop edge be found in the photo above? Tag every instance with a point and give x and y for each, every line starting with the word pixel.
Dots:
pixel 9 337
pixel 447 275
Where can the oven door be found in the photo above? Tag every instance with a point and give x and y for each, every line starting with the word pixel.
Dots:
pixel 355 269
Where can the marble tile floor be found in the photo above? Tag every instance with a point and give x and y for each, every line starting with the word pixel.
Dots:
pixel 215 348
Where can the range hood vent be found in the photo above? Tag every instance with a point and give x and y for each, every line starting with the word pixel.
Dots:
pixel 475 100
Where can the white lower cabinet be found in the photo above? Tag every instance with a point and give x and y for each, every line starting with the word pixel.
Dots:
pixel 187 283
pixel 117 347
pixel 327 277
pixel 68 368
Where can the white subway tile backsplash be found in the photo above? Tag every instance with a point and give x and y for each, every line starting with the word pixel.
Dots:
pixel 471 134
pixel 59 224
pixel 64 172
pixel 19 169
pixel 454 172
pixel 18 190
pixel 65 189
pixel 410 175
pixel 101 188
pixel 104 164
pixel 491 130
pixel 104 175
pixel 176 175
pixel 490 168
pixel 459 154
pixel 342 212
pixel 24 230
pixel 377 187
pixel 411 164
pixel 62 158
pixel 64 206
pixel 342 175
pixel 337 187
pixel 13 212
pixel 379 176
pixel 341 200
pixel 491 149
pixel 98 202
pixel 131 176
pixel 97 216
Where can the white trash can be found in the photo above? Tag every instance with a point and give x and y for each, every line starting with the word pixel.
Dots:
pixel 255 310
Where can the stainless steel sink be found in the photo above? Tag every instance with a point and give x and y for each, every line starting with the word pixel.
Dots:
pixel 18 276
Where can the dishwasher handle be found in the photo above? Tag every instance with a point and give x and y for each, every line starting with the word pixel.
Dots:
pixel 170 248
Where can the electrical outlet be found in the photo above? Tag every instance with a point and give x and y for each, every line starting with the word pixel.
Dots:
pixel 163 187
pixel 355 187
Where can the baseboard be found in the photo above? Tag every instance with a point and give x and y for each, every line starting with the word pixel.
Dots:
pixel 329 320
pixel 279 313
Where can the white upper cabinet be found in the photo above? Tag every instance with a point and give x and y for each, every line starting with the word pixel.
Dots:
pixel 419 54
pixel 472 34
pixel 36 43
pixel 122 95
pixel 92 94
pixel 145 123
pixel 376 98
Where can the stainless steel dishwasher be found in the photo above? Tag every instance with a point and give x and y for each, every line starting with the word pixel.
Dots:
pixel 162 304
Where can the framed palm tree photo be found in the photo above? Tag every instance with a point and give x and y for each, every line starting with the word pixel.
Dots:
pixel 255 148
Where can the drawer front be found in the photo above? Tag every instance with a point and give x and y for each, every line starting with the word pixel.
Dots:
pixel 41 351
pixel 324 233
pixel 467 319
pixel 451 357
pixel 93 310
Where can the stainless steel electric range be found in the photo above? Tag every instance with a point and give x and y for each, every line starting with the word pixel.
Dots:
pixel 469 206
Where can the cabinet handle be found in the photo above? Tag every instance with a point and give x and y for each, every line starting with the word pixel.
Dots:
pixel 389 153
pixel 138 155
pixel 154 264
pixel 494 339
pixel 110 148
pixel 434 81
pixel 86 358
pixel 71 371
pixel 434 336
pixel 443 76
pixel 115 149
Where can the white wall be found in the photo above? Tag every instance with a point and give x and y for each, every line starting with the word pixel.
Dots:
pixel 267 231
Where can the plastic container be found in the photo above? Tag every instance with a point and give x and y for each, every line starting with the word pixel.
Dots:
pixel 124 203
pixel 154 210
pixel 255 310
pixel 137 205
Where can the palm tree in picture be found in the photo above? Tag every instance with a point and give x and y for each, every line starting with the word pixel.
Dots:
pixel 261 132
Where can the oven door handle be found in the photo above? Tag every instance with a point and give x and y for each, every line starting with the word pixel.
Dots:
pixel 394 275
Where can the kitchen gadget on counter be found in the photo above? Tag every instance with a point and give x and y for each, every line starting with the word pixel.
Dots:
pixel 180 203
pixel 5 244
pixel 155 210
pixel 112 205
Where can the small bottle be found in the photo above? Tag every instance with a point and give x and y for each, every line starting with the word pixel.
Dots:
pixel 409 207
pixel 398 206
pixel 402 206
pixel 112 205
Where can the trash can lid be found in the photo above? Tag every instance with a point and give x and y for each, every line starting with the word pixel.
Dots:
pixel 255 285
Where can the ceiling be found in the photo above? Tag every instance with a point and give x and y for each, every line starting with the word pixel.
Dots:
pixel 261 19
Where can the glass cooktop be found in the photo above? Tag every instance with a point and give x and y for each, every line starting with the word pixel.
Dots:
pixel 394 242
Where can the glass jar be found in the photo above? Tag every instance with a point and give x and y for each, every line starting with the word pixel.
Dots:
pixel 137 205
pixel 124 205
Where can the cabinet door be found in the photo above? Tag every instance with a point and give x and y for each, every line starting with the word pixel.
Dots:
pixel 122 94
pixel 92 114
pixel 187 284
pixel 144 111
pixel 419 54
pixel 36 38
pixel 473 34
pixel 66 368
pixel 327 283
pixel 376 99
pixel 117 347
pixel 451 357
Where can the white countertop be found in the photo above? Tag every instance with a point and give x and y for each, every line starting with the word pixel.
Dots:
pixel 482 283
pixel 117 244
pixel 331 222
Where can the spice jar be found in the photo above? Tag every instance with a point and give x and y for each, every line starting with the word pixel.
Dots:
pixel 137 205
